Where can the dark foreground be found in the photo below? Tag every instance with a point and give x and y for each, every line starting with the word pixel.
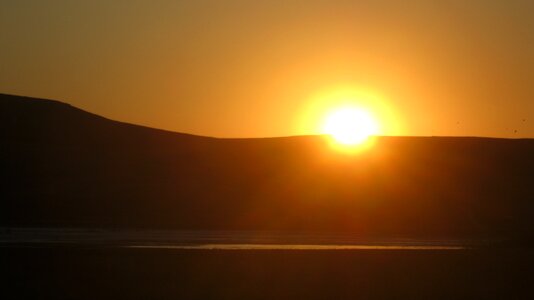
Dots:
pixel 116 273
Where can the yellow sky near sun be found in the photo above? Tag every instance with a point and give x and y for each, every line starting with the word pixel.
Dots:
pixel 341 98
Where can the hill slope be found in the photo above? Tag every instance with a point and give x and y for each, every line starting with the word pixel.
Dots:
pixel 61 166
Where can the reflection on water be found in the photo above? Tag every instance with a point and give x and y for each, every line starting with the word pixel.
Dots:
pixel 298 247
pixel 222 240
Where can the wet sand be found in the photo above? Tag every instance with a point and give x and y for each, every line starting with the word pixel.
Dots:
pixel 145 273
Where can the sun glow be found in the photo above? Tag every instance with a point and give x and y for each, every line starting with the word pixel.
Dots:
pixel 350 126
pixel 350 117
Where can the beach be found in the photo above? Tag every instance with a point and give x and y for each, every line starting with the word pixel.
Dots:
pixel 107 272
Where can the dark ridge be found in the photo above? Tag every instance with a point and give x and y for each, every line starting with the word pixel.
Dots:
pixel 64 167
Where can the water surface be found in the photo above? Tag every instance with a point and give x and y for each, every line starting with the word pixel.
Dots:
pixel 221 240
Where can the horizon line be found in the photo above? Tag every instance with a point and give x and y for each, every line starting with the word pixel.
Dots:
pixel 61 102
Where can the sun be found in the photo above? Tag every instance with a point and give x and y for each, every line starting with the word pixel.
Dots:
pixel 350 126
pixel 350 117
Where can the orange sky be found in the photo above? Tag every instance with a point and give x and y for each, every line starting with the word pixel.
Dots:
pixel 254 68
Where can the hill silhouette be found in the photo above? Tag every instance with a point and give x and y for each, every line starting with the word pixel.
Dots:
pixel 64 167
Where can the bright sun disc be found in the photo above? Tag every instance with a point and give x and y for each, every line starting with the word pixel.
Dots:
pixel 350 126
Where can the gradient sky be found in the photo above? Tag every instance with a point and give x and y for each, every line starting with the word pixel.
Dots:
pixel 252 68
